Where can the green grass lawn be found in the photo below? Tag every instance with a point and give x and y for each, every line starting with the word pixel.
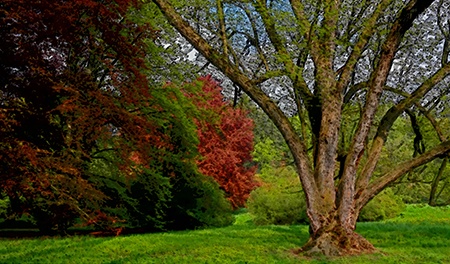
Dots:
pixel 420 235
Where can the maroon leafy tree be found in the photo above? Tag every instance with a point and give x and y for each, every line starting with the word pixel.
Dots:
pixel 72 86
pixel 226 143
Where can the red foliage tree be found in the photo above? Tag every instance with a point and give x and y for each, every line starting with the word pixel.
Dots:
pixel 226 143
pixel 71 80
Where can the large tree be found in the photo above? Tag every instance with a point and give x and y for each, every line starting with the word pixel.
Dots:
pixel 61 74
pixel 313 58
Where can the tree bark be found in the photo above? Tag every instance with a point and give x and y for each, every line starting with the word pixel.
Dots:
pixel 336 239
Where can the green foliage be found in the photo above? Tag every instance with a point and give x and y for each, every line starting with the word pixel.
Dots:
pixel 4 206
pixel 265 152
pixel 243 217
pixel 270 148
pixel 415 186
pixel 386 205
pixel 279 200
pixel 147 200
pixel 412 193
pixel 162 196
pixel 196 202
pixel 269 206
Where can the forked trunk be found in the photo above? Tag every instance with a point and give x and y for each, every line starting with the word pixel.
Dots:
pixel 333 202
pixel 335 239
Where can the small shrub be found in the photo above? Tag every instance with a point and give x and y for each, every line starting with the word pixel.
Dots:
pixel 213 209
pixel 4 206
pixel 386 205
pixel 188 201
pixel 244 218
pixel 272 206
pixel 279 200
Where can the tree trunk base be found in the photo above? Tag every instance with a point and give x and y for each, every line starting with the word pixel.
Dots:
pixel 334 244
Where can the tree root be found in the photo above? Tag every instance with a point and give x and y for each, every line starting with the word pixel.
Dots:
pixel 334 244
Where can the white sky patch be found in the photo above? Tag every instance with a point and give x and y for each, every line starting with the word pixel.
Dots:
pixel 192 55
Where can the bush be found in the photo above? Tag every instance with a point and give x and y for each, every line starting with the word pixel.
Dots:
pixel 197 203
pixel 174 196
pixel 4 206
pixel 279 200
pixel 272 206
pixel 384 206
pixel 49 216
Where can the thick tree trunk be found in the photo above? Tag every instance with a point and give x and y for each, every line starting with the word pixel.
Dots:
pixel 336 239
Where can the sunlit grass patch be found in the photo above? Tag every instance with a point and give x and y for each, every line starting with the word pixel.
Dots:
pixel 406 239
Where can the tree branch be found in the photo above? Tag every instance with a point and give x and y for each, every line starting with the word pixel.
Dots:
pixel 369 28
pixel 294 73
pixel 303 24
pixel 304 166
pixel 379 184
pixel 375 87
pixel 389 118
pixel 255 39
pixel 353 90
pixel 446 33
pixel 222 28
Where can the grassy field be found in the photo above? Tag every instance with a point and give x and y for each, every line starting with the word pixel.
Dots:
pixel 420 235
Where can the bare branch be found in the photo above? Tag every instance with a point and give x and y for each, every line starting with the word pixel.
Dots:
pixel 223 33
pixel 379 184
pixel 446 33
pixel 353 90
pixel 255 39
pixel 389 118
pixel 375 87
pixel 367 32
pixel 267 76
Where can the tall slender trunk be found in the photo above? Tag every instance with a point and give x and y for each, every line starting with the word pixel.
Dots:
pixel 435 183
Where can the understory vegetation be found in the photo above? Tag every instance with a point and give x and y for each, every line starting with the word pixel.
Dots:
pixel 281 203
